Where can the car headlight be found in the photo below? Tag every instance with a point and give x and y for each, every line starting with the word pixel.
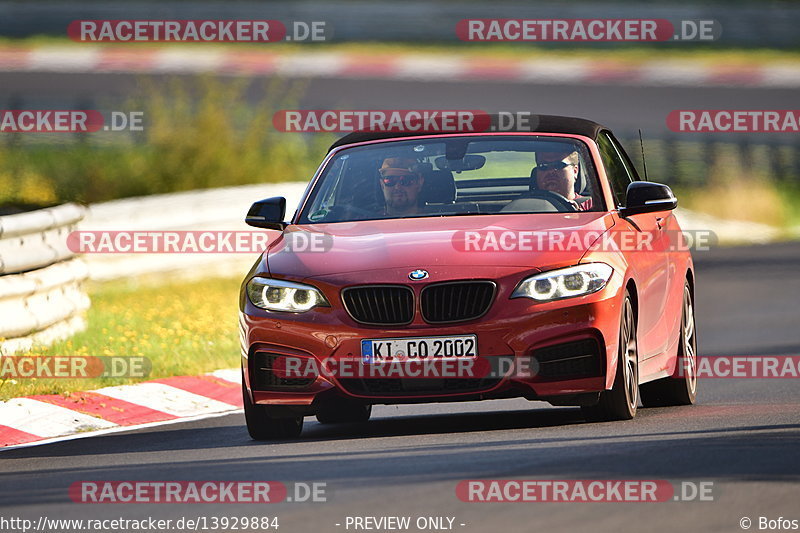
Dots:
pixel 279 295
pixel 565 282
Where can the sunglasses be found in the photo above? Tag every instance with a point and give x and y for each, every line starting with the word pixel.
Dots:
pixel 405 180
pixel 558 165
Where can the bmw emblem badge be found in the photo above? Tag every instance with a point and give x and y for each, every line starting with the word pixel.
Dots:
pixel 417 275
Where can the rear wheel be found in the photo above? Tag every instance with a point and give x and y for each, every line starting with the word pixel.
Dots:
pixel 680 390
pixel 262 426
pixel 342 411
pixel 620 403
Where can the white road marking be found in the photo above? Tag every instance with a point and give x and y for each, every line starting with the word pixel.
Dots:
pixel 234 375
pixel 47 420
pixel 120 429
pixel 166 399
pixel 58 60
pixel 187 61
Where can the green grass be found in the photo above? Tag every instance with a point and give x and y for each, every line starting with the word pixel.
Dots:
pixel 791 198
pixel 183 328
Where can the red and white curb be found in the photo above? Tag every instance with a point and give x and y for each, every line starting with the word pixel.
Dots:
pixel 418 67
pixel 40 419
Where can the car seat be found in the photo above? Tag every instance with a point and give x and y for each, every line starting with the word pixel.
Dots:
pixel 439 188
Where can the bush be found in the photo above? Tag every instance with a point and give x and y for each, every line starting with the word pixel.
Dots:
pixel 198 133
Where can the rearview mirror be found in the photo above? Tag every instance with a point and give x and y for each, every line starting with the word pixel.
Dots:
pixel 647 197
pixel 468 162
pixel 268 214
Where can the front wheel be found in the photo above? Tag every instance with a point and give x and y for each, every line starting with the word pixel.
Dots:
pixel 620 403
pixel 262 426
pixel 682 389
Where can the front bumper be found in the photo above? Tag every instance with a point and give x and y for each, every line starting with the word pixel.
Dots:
pixel 569 347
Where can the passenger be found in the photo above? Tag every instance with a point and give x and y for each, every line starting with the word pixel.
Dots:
pixel 558 172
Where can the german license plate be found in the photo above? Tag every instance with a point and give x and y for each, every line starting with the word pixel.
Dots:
pixel 419 349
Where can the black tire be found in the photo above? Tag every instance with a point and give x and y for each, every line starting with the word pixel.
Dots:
pixel 343 411
pixel 262 426
pixel 681 389
pixel 621 402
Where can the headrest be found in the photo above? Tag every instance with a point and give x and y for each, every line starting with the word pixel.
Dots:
pixel 439 187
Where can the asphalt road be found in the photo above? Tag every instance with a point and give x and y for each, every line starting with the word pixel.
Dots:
pixel 743 435
pixel 623 108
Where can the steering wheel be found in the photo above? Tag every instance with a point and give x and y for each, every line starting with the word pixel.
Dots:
pixel 558 201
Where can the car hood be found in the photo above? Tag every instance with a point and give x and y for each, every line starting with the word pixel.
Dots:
pixel 307 251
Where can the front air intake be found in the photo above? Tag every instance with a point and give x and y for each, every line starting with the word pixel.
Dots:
pixel 269 373
pixel 571 360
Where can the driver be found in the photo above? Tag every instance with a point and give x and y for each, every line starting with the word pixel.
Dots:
pixel 401 183
pixel 557 172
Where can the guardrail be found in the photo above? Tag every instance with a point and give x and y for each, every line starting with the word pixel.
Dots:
pixel 41 294
pixel 220 209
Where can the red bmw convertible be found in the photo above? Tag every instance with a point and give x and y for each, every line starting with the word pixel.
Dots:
pixel 433 267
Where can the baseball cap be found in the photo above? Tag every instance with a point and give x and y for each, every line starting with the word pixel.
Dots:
pixel 398 166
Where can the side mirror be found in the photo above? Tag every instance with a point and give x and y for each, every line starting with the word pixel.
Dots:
pixel 268 214
pixel 647 197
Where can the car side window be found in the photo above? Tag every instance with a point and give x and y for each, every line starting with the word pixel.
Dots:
pixel 626 160
pixel 617 168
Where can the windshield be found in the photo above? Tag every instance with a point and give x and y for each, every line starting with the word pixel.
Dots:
pixel 451 176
